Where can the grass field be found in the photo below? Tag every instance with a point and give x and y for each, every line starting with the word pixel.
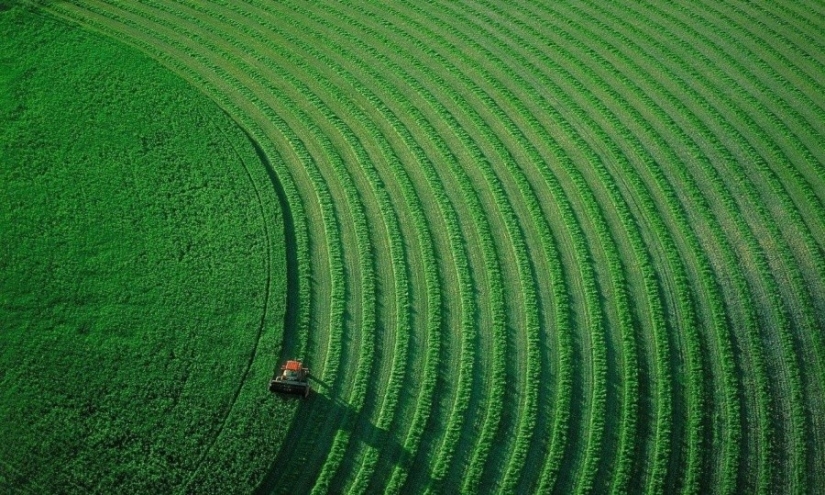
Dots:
pixel 142 262
pixel 533 247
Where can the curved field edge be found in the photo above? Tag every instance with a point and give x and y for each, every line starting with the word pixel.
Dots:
pixel 144 277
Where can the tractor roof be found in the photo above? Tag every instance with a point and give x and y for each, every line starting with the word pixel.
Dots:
pixel 293 365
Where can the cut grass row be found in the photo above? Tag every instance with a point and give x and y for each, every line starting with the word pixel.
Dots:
pixel 463 353
pixel 399 363
pixel 681 290
pixel 629 173
pixel 512 75
pixel 629 447
pixel 401 333
pixel 777 163
pixel 514 229
pixel 511 132
pixel 803 264
pixel 643 157
pixel 466 188
pixel 766 277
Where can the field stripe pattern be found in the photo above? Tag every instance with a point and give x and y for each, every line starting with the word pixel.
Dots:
pixel 548 247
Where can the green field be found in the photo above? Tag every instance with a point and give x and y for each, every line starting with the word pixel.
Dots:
pixel 142 291
pixel 529 247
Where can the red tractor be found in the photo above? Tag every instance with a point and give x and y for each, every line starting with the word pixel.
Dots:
pixel 292 379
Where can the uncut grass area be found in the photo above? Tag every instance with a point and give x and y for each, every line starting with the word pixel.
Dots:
pixel 142 291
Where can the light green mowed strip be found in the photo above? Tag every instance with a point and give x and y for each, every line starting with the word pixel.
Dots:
pixel 542 247
pixel 143 286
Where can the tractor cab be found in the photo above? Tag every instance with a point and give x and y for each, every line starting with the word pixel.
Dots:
pixel 292 378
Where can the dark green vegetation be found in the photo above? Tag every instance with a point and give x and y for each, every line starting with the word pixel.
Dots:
pixel 553 247
pixel 142 288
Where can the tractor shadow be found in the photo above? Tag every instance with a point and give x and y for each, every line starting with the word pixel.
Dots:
pixel 332 415
pixel 362 430
pixel 391 451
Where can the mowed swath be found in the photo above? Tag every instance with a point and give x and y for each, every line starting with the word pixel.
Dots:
pixel 561 247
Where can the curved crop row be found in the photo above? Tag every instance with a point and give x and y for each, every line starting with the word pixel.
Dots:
pixel 492 270
pixel 686 308
pixel 627 452
pixel 772 289
pixel 530 298
pixel 658 183
pixel 781 159
pixel 768 170
pixel 508 74
pixel 359 386
pixel 694 356
pixel 401 334
pixel 629 358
